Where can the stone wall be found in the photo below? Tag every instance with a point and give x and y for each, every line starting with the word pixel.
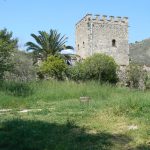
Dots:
pixel 82 41
pixel 102 35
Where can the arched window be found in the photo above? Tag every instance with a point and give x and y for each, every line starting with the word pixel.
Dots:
pixel 78 46
pixel 114 43
pixel 83 44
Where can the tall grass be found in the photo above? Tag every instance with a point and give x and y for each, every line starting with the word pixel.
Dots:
pixel 110 110
pixel 122 100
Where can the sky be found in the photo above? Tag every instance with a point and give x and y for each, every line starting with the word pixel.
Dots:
pixel 24 17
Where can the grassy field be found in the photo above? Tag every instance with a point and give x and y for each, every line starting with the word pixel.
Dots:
pixel 115 118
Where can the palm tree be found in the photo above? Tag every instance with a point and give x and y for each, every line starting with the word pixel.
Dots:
pixel 46 44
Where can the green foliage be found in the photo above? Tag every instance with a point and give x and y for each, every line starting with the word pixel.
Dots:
pixel 148 81
pixel 68 47
pixel 54 67
pixel 77 72
pixel 139 52
pixel 16 88
pixel 46 44
pixel 135 75
pixel 98 67
pixel 111 111
pixel 7 46
pixel 23 70
pixel 17 134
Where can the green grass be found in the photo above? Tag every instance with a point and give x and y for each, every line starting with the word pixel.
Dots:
pixel 66 124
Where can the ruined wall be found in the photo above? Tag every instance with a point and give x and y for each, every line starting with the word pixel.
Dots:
pixel 102 35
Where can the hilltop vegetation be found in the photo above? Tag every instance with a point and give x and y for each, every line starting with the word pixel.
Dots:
pixel 140 52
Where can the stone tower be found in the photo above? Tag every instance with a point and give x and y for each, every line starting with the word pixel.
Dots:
pixel 103 35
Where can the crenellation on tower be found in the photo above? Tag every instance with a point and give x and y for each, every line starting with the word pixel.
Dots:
pixel 85 18
pixel 102 34
pixel 104 18
pixel 125 19
pixel 97 17
pixel 111 18
pixel 119 19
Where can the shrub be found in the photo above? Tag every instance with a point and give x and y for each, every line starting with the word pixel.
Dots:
pixel 148 83
pixel 54 67
pixel 76 72
pixel 136 76
pixel 98 67
pixel 23 69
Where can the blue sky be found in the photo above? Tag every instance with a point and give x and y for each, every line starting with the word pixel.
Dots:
pixel 24 17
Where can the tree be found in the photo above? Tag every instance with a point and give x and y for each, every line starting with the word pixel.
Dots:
pixel 54 67
pixel 7 46
pixel 23 70
pixel 136 76
pixel 99 67
pixel 46 44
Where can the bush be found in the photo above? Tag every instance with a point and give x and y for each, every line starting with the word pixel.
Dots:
pixel 148 83
pixel 77 72
pixel 98 67
pixel 136 76
pixel 23 69
pixel 54 67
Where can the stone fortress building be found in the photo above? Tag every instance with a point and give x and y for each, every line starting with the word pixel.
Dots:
pixel 103 35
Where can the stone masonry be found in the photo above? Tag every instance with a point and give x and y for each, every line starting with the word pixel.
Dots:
pixel 103 35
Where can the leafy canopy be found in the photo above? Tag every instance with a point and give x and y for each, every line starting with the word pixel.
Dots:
pixel 7 46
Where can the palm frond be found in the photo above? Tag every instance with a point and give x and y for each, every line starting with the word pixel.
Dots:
pixel 47 43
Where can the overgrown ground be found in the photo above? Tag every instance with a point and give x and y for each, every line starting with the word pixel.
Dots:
pixel 114 119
